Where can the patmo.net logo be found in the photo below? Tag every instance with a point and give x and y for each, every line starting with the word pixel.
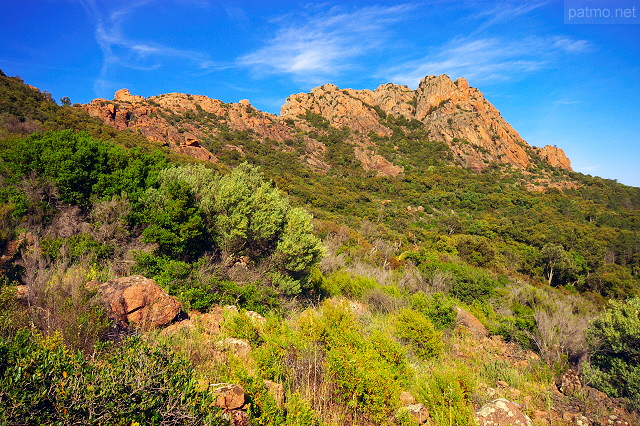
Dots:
pixel 601 12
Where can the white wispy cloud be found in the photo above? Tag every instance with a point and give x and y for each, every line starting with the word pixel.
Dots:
pixel 486 59
pixel 119 50
pixel 588 168
pixel 325 43
pixel 505 11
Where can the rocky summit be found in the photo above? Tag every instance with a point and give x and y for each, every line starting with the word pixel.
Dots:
pixel 447 111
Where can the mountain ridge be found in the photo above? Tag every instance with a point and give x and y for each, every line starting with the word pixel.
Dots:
pixel 448 111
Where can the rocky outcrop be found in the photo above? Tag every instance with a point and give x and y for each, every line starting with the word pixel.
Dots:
pixel 502 412
pixel 228 396
pixel 123 95
pixel 182 121
pixel 448 111
pixel 461 116
pixel 351 108
pixel 138 301
pixel 584 405
pixel 467 321
pixel 372 161
pixel 569 383
pixel 554 156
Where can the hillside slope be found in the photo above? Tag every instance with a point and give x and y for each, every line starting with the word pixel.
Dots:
pixel 439 281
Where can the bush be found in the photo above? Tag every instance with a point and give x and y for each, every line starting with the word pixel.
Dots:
pixel 418 331
pixel 238 215
pixel 342 283
pixel 446 394
pixel 469 283
pixel 439 308
pixel 43 382
pixel 615 359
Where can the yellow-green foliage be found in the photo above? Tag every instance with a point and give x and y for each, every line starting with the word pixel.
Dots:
pixel 342 283
pixel 615 365
pixel 418 331
pixel 42 381
pixel 447 393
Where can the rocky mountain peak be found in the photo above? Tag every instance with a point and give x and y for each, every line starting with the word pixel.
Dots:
pixel 450 111
pixel 446 110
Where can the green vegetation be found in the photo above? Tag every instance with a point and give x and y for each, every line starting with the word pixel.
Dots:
pixel 357 275
pixel 42 382
pixel 615 362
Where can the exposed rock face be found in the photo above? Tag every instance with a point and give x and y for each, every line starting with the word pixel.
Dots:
pixel 228 396
pixel 351 108
pixel 468 321
pixel 554 156
pixel 150 117
pixel 457 113
pixel 138 301
pixel 502 412
pixel 372 161
pixel 449 111
pixel 123 95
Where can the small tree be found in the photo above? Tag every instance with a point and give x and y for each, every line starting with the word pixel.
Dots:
pixel 238 214
pixel 556 261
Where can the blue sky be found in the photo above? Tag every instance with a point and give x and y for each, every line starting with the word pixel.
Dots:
pixel 575 85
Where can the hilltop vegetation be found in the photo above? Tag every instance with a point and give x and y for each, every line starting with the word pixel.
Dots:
pixel 359 274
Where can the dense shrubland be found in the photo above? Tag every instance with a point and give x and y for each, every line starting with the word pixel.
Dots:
pixel 360 300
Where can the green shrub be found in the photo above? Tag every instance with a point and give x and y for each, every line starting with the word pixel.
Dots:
pixel 470 283
pixel 615 360
pixel 439 308
pixel 43 382
pixel 364 382
pixel 342 283
pixel 416 329
pixel 446 393
pixel 299 412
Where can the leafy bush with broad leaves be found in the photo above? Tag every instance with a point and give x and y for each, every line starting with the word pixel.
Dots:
pixel 615 360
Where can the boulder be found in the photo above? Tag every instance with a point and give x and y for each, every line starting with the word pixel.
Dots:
pixel 569 383
pixel 239 418
pixel 209 323
pixel 228 396
pixel 22 293
pixel 138 301
pixel 418 411
pixel 468 321
pixel 502 412
pixel 276 390
pixel 184 326
pixel 239 347
pixel 406 398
